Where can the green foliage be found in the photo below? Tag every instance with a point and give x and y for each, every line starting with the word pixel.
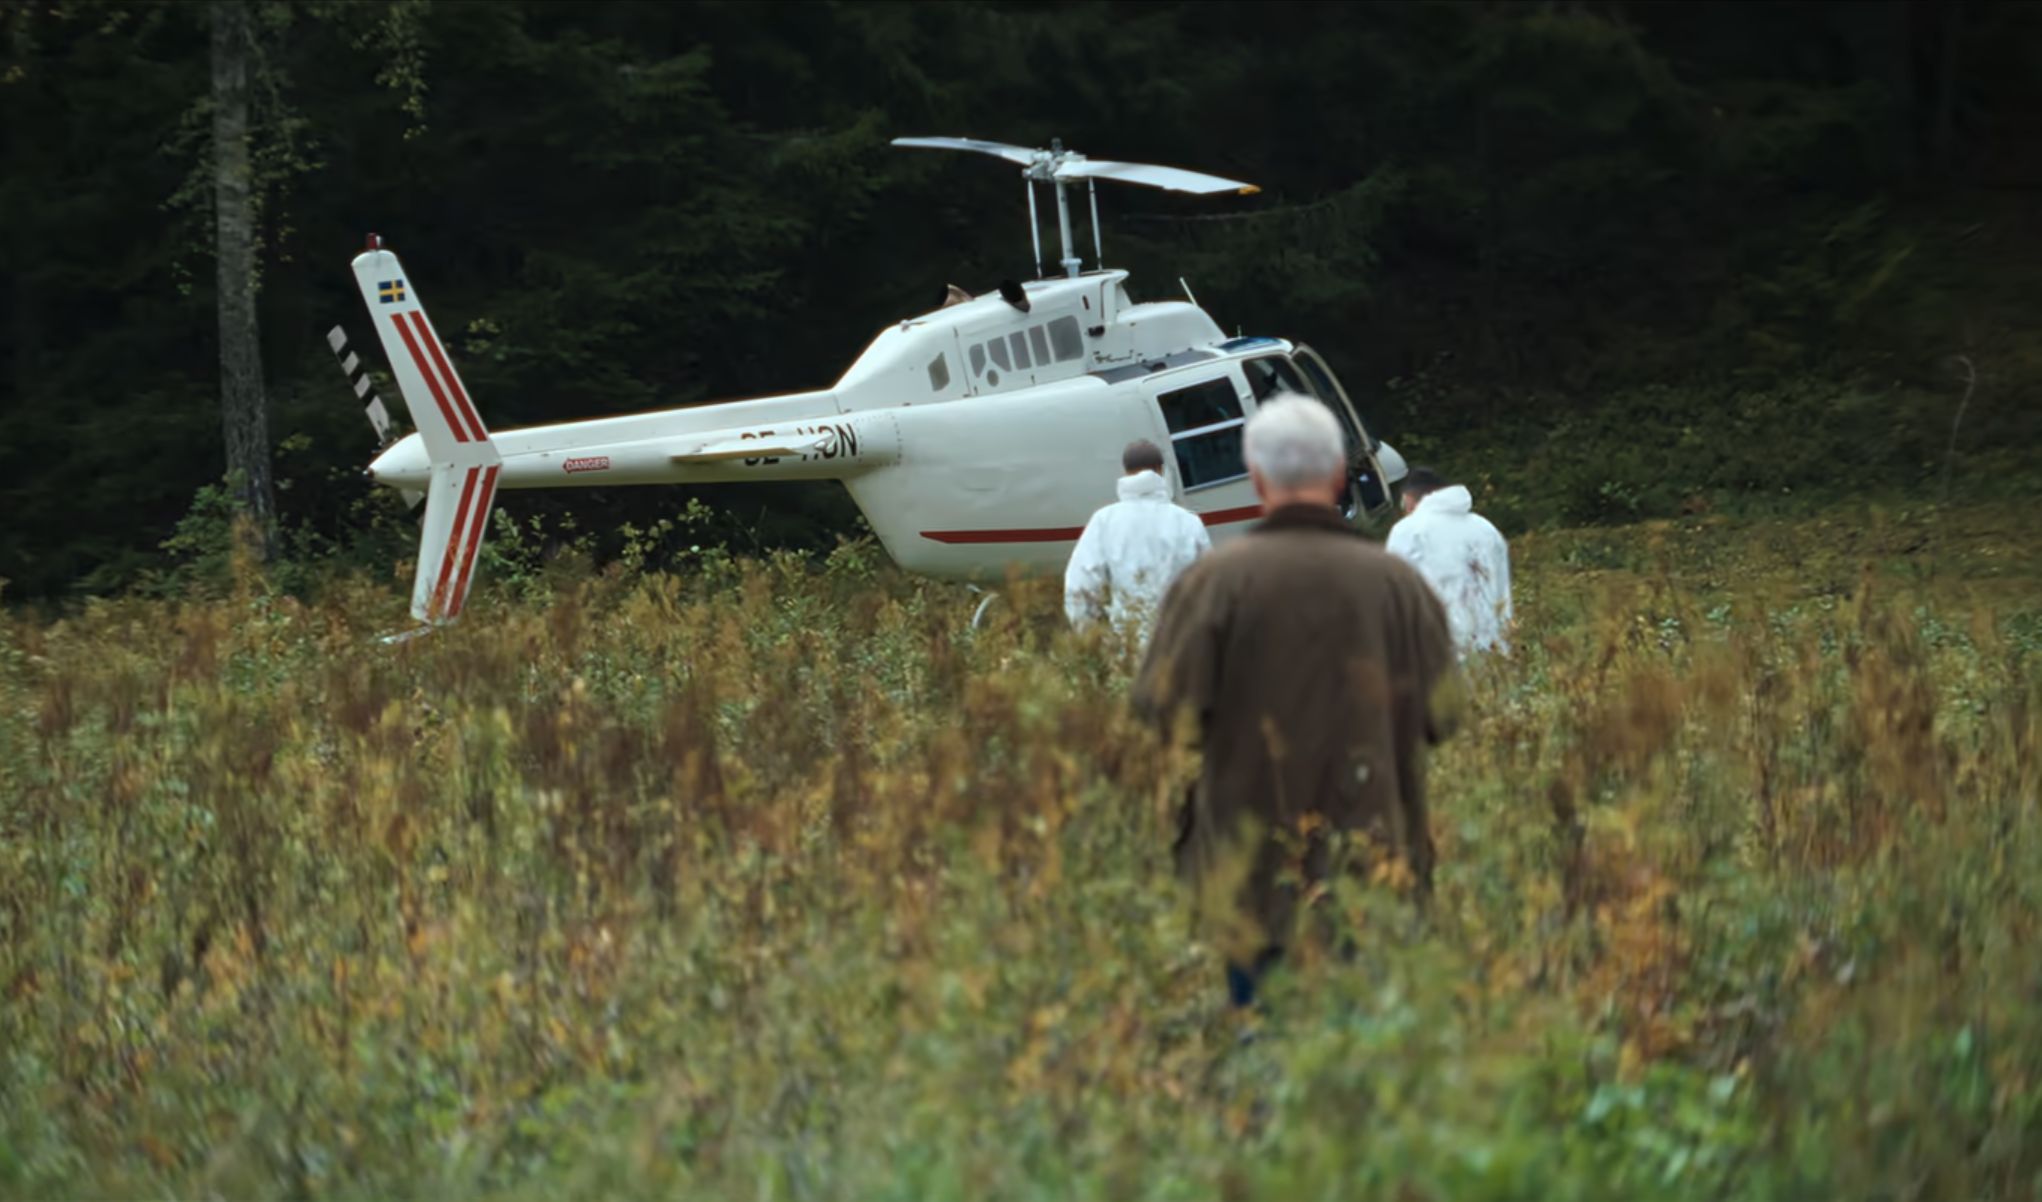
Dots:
pixel 1662 451
pixel 769 878
pixel 1535 208
pixel 202 546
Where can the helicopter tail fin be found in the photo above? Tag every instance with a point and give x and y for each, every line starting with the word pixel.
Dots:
pixel 440 409
pixel 457 505
pixel 465 463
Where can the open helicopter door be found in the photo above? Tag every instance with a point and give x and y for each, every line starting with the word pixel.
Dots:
pixel 1368 487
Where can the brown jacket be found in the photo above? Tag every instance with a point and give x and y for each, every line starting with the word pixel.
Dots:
pixel 1314 668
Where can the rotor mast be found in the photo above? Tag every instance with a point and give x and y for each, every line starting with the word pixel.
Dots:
pixel 1034 223
pixel 1070 261
pixel 1044 167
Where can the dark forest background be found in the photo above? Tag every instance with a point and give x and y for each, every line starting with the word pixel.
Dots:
pixel 1605 260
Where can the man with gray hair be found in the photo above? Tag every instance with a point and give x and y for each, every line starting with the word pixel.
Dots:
pixel 1314 669
pixel 1131 550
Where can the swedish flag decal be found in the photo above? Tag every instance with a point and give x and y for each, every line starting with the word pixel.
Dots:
pixel 390 291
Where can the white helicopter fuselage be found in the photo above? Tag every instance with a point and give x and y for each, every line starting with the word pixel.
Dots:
pixel 975 439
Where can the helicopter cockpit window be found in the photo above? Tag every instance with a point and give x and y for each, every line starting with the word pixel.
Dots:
pixel 1205 431
pixel 1323 387
pixel 978 360
pixel 1064 340
pixel 1269 376
pixel 939 374
pixel 1020 344
pixel 997 349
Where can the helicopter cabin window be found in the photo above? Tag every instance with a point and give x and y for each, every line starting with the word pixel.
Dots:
pixel 1205 432
pixel 1064 340
pixel 939 374
pixel 1035 347
pixel 1040 341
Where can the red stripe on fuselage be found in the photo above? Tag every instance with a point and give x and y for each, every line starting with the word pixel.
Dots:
pixel 1227 517
pixel 437 608
pixel 431 381
pixel 1059 534
pixel 474 543
pixel 431 338
pixel 1068 534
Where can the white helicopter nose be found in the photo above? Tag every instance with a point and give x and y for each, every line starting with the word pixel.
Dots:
pixel 404 465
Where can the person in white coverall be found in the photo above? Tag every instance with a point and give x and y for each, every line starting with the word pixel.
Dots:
pixel 1461 556
pixel 1132 550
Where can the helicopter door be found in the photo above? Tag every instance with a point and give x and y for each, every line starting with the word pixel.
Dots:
pixel 1203 420
pixel 1368 489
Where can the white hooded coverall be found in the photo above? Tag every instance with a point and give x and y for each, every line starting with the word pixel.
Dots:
pixel 1128 555
pixel 1467 563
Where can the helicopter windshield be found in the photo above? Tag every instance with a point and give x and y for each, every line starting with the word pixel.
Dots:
pixel 1272 374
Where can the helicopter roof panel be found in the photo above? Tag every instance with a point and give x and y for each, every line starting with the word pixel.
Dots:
pixel 1149 367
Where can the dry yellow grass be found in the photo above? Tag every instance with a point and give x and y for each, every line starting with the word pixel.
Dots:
pixel 781 882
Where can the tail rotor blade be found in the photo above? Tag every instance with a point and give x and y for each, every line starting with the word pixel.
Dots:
pixel 379 417
pixel 377 412
pixel 358 378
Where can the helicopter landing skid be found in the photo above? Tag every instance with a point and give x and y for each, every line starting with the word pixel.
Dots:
pixel 978 615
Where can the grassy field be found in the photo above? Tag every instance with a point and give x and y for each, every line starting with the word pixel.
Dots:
pixel 768 880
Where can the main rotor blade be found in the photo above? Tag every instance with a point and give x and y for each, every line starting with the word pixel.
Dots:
pixel 1013 154
pixel 1170 179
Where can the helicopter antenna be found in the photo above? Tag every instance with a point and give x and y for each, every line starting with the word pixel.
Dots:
pixel 1062 168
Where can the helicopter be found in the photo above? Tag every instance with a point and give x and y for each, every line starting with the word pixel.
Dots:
pixel 976 438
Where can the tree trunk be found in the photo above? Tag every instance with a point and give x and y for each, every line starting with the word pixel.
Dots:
pixel 244 409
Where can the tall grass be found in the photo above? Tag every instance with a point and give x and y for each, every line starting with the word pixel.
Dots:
pixel 775 881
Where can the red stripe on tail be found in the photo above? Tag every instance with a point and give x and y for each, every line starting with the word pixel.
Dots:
pixel 431 381
pixel 431 338
pixel 474 543
pixel 437 608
